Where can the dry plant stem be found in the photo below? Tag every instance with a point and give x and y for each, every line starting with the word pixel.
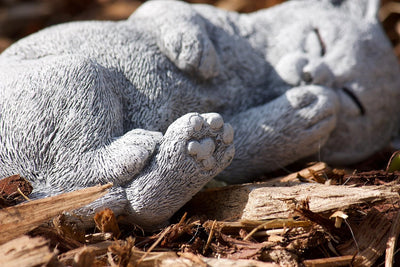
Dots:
pixel 329 262
pixel 392 241
pixel 152 259
pixel 22 194
pixel 210 236
pixel 250 225
pixel 278 223
pixel 111 260
pixel 19 219
pixel 162 235
pixel 274 232
pixel 98 237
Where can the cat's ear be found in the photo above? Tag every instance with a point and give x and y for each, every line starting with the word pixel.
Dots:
pixel 366 9
pixel 373 10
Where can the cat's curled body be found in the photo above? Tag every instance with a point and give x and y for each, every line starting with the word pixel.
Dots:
pixel 135 102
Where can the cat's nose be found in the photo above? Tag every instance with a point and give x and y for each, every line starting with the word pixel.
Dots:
pixel 317 72
pixel 306 77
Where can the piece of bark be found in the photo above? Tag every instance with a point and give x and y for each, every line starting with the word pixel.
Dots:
pixel 263 201
pixel 370 237
pixel 17 220
pixel 27 251
pixel 392 241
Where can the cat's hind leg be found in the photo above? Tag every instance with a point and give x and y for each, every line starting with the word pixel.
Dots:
pixel 181 35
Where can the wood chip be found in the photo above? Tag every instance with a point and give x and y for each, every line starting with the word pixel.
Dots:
pixel 262 201
pixel 62 242
pixel 392 240
pixel 370 239
pixel 85 257
pixel 19 219
pixel 69 228
pixel 26 251
pixel 97 249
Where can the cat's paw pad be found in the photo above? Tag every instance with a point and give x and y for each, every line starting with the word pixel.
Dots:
pixel 209 141
pixel 214 120
pixel 215 148
pixel 203 151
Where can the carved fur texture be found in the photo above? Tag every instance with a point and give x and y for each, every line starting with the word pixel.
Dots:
pixel 158 104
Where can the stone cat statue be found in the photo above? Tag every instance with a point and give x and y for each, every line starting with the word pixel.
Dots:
pixel 151 104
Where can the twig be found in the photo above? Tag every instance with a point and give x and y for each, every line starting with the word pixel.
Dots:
pixel 210 236
pixel 277 223
pixel 333 261
pixel 162 235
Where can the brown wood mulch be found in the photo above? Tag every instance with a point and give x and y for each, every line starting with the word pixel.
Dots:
pixel 318 216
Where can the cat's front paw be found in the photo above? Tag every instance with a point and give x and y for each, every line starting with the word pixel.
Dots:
pixel 194 149
pixel 204 140
pixel 312 105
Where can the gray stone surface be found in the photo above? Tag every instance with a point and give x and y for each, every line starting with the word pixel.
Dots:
pixel 133 102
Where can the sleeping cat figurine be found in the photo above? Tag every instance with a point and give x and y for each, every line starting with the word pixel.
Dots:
pixel 177 94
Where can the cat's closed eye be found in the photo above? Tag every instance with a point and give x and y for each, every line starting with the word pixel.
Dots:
pixel 314 44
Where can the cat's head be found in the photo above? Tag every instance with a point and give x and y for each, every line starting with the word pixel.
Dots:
pixel 341 45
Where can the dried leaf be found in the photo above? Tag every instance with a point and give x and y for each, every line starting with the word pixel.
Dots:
pixel 106 222
pixel 13 190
